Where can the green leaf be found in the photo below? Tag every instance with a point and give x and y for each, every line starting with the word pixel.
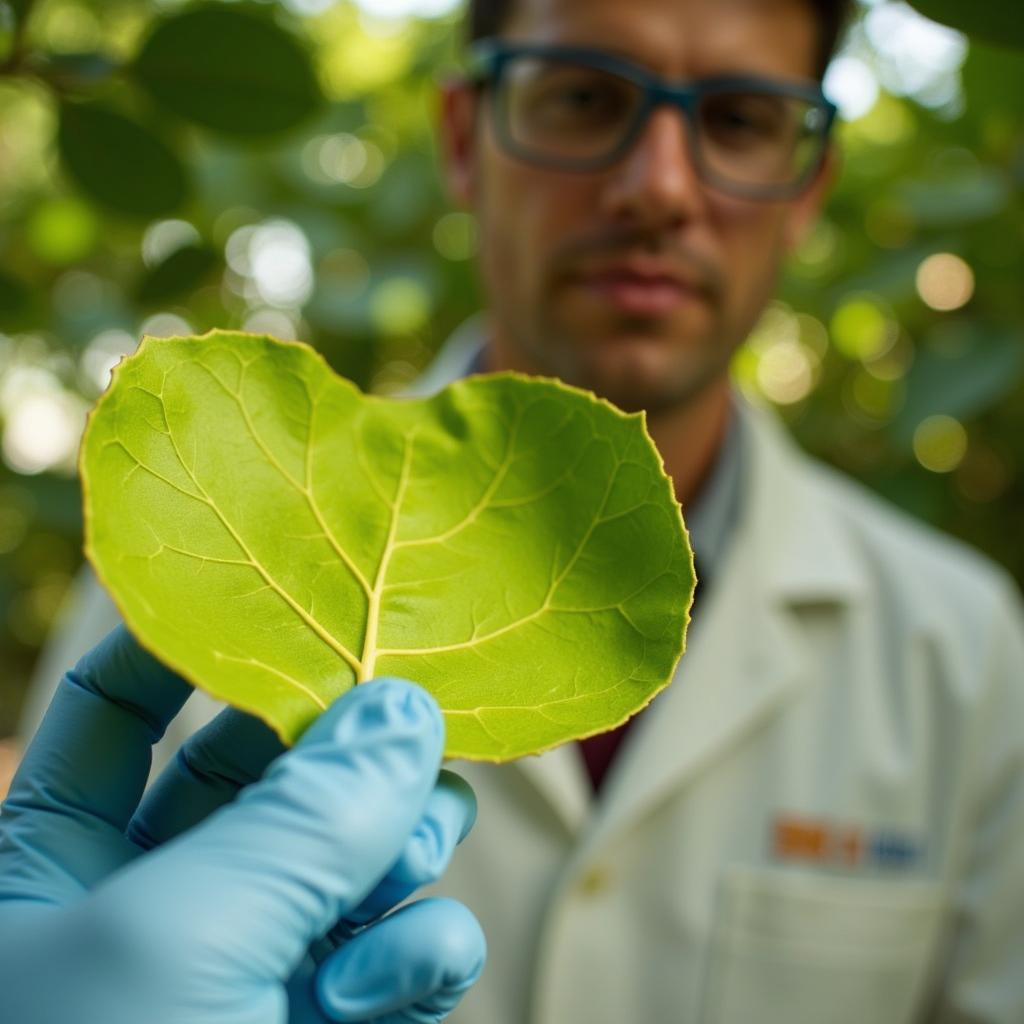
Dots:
pixel 186 268
pixel 276 536
pixel 235 71
pixel 118 162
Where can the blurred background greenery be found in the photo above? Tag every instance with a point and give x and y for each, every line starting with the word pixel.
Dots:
pixel 170 167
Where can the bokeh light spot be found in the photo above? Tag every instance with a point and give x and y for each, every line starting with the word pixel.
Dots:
pixel 851 85
pixel 778 362
pixel 276 322
pixel 357 58
pixel 343 159
pixel 785 373
pixel 102 354
pixel 888 123
pixel 165 325
pixel 399 305
pixel 408 8
pixel 819 250
pixel 862 330
pixel 945 282
pixel 42 428
pixel 455 235
pixel 164 238
pixel 915 56
pixel 940 443
pixel 63 230
pixel 276 259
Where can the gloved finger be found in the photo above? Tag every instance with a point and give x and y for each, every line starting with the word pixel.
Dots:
pixel 252 886
pixel 206 773
pixel 234 749
pixel 81 778
pixel 412 966
pixel 447 819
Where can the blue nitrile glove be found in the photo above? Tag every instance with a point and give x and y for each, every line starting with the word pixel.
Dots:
pixel 264 908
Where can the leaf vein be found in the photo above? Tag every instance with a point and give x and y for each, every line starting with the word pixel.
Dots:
pixel 255 662
pixel 474 513
pixel 317 627
pixel 545 606
pixel 370 651
pixel 305 490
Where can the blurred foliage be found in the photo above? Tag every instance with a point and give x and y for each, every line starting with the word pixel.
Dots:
pixel 994 21
pixel 168 167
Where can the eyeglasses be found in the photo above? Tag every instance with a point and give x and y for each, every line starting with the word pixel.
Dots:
pixel 578 109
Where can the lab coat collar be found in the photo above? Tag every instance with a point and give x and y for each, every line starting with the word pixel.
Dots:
pixel 788 551
pixel 802 555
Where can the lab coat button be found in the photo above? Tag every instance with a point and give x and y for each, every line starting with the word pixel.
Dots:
pixel 594 881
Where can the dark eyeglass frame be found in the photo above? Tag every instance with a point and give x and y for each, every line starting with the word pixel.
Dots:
pixel 489 59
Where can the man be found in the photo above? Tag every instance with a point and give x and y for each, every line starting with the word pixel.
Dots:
pixel 822 819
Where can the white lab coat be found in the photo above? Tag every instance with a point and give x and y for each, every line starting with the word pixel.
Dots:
pixel 820 822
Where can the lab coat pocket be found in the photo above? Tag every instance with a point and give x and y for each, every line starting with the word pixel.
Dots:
pixel 800 948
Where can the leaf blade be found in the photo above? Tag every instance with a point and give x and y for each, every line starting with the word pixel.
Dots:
pixel 235 71
pixel 513 545
pixel 94 142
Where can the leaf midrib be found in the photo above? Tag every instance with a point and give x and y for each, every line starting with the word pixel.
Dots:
pixel 370 650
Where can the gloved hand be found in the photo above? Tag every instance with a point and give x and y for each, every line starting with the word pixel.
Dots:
pixel 210 900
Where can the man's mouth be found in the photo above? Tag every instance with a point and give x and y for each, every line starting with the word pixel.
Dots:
pixel 641 294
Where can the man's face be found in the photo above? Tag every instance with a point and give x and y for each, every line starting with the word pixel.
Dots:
pixel 561 250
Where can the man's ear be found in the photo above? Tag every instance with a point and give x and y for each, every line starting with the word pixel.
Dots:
pixel 457 140
pixel 805 209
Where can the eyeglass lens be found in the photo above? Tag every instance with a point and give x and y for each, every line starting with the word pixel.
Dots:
pixel 574 115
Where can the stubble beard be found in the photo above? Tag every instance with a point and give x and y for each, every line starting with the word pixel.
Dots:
pixel 639 367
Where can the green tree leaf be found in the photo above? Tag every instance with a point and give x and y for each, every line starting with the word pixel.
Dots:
pixel 118 162
pixel 512 544
pixel 235 71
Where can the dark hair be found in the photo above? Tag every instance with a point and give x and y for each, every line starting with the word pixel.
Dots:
pixel 485 18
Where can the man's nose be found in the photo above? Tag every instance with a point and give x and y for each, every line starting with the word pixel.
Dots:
pixel 656 184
